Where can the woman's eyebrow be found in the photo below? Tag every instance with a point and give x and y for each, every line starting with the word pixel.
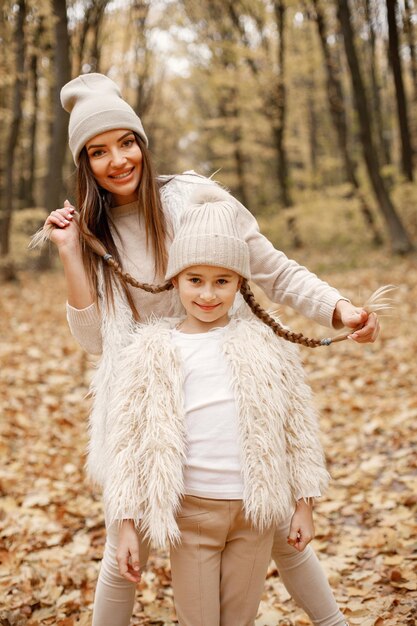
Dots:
pixel 96 145
pixel 125 135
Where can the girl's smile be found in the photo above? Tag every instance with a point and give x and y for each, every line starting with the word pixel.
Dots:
pixel 207 307
pixel 116 162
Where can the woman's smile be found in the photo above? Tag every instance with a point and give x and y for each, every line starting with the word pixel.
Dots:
pixel 122 176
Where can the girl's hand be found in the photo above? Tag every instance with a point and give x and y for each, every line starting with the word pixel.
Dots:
pixel 302 526
pixel 127 554
pixel 353 317
pixel 65 230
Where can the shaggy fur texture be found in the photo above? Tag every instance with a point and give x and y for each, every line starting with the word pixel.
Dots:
pixel 146 439
pixel 145 444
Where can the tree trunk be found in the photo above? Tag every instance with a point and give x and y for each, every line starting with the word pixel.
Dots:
pixel 395 61
pixel 311 88
pixel 30 183
pixel 338 115
pixel 409 29
pixel 312 128
pixel 281 109
pixel 399 237
pixel 230 113
pixel 8 191
pixel 60 117
pixel 83 38
pixel 96 22
pixel 380 127
pixel 279 125
pixel 143 55
pixel 62 74
pixel 239 157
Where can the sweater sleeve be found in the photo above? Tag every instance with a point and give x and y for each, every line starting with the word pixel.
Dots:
pixel 85 327
pixel 284 280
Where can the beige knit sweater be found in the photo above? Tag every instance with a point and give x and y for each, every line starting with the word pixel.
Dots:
pixel 283 280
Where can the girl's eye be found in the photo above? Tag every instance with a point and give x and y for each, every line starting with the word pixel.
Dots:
pixel 128 143
pixel 222 281
pixel 194 280
pixel 96 153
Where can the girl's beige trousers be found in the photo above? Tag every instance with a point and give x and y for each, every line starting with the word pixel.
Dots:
pixel 219 571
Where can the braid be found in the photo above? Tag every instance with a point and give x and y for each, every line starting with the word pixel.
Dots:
pixel 279 330
pixel 96 245
pixel 127 278
pixel 247 294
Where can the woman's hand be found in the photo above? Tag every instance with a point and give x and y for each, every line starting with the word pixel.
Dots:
pixel 356 317
pixel 127 554
pixel 65 232
pixel 302 526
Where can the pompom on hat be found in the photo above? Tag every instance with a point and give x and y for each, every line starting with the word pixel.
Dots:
pixel 95 105
pixel 208 234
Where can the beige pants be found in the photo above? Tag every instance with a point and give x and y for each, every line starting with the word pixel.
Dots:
pixel 218 569
pixel 301 573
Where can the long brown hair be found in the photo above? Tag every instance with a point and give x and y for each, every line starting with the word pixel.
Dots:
pixel 95 223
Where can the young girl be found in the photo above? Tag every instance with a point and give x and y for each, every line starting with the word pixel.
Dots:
pixel 125 211
pixel 212 437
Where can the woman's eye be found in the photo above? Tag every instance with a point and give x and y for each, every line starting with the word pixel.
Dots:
pixel 194 281
pixel 128 143
pixel 97 153
pixel 222 281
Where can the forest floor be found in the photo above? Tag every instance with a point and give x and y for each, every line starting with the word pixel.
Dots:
pixel 51 521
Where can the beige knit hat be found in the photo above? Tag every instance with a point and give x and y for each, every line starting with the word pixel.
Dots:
pixel 208 234
pixel 95 105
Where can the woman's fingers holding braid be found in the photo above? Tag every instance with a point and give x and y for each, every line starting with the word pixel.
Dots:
pixel 63 227
pixel 369 332
pixel 61 217
pixel 365 326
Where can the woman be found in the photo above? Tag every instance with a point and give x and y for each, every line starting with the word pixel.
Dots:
pixel 125 212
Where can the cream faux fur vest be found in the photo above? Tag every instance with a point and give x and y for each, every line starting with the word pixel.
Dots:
pixel 143 445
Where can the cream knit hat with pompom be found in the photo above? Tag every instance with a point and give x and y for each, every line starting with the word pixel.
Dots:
pixel 95 105
pixel 208 234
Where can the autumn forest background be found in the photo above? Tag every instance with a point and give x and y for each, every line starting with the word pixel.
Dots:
pixel 307 111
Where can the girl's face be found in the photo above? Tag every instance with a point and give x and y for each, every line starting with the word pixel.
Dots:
pixel 207 293
pixel 116 162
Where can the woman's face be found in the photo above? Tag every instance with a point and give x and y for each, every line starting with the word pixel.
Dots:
pixel 116 162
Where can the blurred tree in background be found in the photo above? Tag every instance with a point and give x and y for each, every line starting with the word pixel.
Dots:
pixel 284 96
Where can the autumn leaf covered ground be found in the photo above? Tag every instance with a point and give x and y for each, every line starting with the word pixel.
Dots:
pixel 51 523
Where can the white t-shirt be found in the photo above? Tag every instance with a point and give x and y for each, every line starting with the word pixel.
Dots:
pixel 213 465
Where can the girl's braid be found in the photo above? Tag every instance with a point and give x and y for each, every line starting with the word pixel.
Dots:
pixel 127 278
pixel 279 330
pixel 377 302
pixel 246 292
pixel 97 247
